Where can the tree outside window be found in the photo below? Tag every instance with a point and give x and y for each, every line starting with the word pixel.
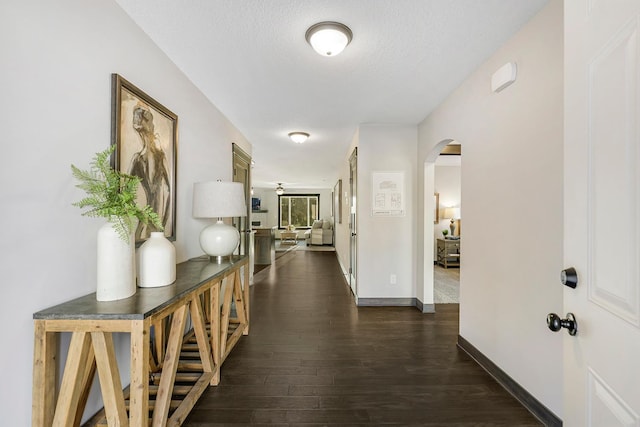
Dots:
pixel 299 210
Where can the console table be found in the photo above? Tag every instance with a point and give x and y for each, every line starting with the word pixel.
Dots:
pixel 169 369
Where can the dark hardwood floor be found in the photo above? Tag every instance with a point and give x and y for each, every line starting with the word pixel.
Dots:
pixel 314 358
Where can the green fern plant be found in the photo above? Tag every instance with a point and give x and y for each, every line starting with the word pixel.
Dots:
pixel 112 194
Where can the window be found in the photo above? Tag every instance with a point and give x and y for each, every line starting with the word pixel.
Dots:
pixel 299 210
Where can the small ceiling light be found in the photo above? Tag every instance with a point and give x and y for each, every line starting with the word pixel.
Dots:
pixel 329 38
pixel 279 189
pixel 298 137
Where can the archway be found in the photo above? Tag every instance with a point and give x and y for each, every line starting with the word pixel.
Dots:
pixel 428 220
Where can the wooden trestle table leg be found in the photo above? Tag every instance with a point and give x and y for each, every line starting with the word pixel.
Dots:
pixel 245 285
pixel 214 313
pixel 139 388
pixel 109 374
pixel 44 376
pixel 72 386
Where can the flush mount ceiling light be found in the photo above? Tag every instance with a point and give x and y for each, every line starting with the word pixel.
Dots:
pixel 329 38
pixel 279 189
pixel 298 137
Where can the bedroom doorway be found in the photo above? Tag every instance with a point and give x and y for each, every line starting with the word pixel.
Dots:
pixel 437 218
pixel 447 233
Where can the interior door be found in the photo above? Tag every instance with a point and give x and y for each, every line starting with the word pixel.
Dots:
pixel 242 173
pixel 601 218
pixel 353 242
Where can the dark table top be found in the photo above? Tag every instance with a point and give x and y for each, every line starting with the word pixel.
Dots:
pixel 146 301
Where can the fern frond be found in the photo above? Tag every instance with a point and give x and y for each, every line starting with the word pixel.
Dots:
pixel 112 194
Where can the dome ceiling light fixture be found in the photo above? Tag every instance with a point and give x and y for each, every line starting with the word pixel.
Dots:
pixel 279 189
pixel 329 38
pixel 298 137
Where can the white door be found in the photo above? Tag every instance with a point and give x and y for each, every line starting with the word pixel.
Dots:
pixel 602 207
pixel 353 223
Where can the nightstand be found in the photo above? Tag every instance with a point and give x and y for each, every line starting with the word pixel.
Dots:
pixel 448 252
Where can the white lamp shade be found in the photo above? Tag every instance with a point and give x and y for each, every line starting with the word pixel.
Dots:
pixel 329 38
pixel 452 213
pixel 219 239
pixel 217 199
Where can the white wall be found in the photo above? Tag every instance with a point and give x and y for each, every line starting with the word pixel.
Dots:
pixel 269 203
pixel 55 107
pixel 512 144
pixel 386 245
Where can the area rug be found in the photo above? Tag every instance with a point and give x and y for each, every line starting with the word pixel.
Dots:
pixel 280 248
pixel 316 248
pixel 302 246
pixel 446 289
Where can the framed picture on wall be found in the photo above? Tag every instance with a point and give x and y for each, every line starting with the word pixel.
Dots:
pixel 337 202
pixel 387 195
pixel 145 135
pixel 436 209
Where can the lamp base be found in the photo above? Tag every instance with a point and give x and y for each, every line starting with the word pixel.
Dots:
pixel 219 259
pixel 219 239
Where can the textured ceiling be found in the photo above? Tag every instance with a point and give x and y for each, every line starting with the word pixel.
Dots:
pixel 250 58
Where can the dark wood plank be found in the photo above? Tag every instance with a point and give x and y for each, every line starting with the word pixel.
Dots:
pixel 314 358
pixel 535 406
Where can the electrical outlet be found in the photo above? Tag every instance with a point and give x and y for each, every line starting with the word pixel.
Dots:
pixel 393 280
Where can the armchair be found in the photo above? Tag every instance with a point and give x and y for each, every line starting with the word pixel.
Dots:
pixel 321 233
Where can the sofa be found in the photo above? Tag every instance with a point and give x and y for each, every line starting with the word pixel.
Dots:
pixel 320 233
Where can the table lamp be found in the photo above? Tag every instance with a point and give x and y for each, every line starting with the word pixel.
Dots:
pixel 454 214
pixel 217 199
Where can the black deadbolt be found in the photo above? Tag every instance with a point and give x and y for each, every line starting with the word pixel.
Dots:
pixel 569 277
pixel 555 323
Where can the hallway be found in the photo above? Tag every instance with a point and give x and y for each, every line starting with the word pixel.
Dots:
pixel 314 358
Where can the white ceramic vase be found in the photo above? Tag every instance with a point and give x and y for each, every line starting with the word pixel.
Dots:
pixel 157 262
pixel 116 265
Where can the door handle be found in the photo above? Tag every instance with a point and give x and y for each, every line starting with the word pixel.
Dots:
pixel 353 234
pixel 555 323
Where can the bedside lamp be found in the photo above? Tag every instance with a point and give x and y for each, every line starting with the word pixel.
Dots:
pixel 454 214
pixel 217 199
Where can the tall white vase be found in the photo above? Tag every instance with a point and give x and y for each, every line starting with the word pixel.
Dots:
pixel 157 261
pixel 116 265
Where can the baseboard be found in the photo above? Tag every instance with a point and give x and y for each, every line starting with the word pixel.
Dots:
pixel 532 404
pixel 425 308
pixel 396 302
pixel 345 270
pixel 386 302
